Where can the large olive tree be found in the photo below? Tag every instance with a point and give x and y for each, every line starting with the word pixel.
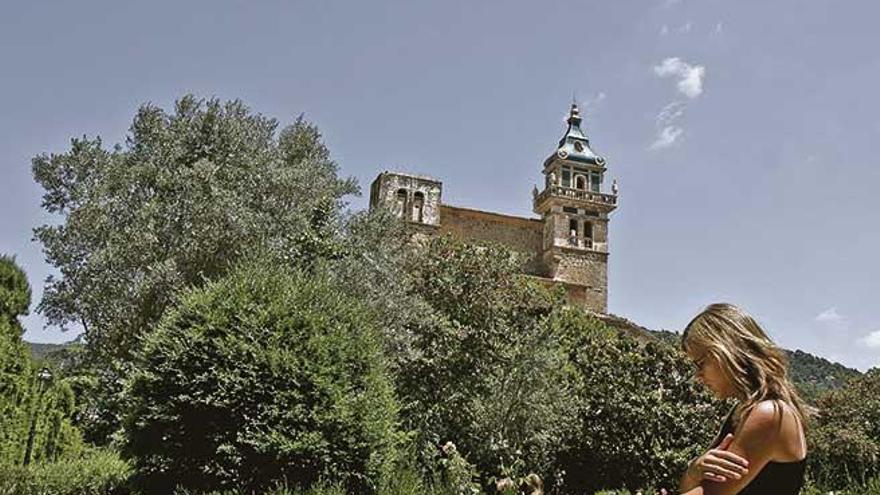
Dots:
pixel 189 193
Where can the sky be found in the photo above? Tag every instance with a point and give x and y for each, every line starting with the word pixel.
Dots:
pixel 742 133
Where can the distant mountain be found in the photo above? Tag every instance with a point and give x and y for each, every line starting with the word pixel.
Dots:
pixel 812 375
pixel 41 351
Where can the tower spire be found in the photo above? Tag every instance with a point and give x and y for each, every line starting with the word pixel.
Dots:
pixel 575 145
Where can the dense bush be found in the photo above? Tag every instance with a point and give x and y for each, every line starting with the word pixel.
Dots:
pixel 482 369
pixel 845 438
pixel 94 473
pixel 264 375
pixel 522 383
pixel 23 397
pixel 641 417
pixel 869 487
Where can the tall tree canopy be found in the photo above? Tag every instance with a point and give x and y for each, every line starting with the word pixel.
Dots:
pixel 23 398
pixel 188 195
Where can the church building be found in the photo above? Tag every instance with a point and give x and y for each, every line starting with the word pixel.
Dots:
pixel 566 244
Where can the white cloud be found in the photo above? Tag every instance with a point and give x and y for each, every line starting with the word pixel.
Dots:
pixel 670 113
pixel 664 30
pixel 871 340
pixel 686 28
pixel 690 77
pixel 719 28
pixel 830 315
pixel 668 130
pixel 666 137
pixel 670 3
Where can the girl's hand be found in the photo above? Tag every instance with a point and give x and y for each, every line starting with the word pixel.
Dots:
pixel 718 464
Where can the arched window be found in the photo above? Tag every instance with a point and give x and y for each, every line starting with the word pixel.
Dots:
pixel 418 207
pixel 400 205
pixel 580 182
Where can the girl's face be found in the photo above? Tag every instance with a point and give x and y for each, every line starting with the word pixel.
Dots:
pixel 709 372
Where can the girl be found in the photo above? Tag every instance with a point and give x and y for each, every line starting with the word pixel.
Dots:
pixel 761 448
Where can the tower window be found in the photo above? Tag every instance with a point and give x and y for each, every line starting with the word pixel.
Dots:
pixel 595 182
pixel 418 207
pixel 400 206
pixel 580 182
pixel 573 232
pixel 588 235
pixel 566 177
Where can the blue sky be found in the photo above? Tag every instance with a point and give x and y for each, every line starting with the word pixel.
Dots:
pixel 742 133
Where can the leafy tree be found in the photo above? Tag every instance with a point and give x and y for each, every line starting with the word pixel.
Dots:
pixel 377 252
pixel 264 375
pixel 845 437
pixel 189 194
pixel 22 396
pixel 481 369
pixel 15 291
pixel 15 367
pixel 521 383
pixel 641 417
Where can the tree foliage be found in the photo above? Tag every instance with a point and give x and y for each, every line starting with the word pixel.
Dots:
pixel 640 415
pixel 262 376
pixel 521 382
pixel 845 438
pixel 25 401
pixel 189 194
pixel 482 369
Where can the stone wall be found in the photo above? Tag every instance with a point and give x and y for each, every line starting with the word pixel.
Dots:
pixel 414 197
pixel 520 234
pixel 550 256
pixel 586 269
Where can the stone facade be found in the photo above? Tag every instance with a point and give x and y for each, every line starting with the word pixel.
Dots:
pixel 567 245
pixel 414 195
pixel 523 235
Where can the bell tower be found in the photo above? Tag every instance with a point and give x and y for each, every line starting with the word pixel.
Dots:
pixel 574 210
pixel 414 198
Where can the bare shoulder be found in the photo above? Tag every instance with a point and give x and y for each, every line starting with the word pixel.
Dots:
pixel 776 423
pixel 767 415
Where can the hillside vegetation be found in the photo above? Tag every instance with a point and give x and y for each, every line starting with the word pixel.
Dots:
pixel 813 375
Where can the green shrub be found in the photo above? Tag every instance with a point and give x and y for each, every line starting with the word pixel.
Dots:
pixel 481 368
pixel 641 417
pixel 23 397
pixel 869 487
pixel 523 384
pixel 263 376
pixel 845 437
pixel 95 473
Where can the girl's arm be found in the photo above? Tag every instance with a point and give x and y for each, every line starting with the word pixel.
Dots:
pixel 718 464
pixel 756 441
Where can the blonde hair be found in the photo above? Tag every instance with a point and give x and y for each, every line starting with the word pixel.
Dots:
pixel 755 366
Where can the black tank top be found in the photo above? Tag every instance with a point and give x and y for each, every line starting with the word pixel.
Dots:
pixel 776 478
